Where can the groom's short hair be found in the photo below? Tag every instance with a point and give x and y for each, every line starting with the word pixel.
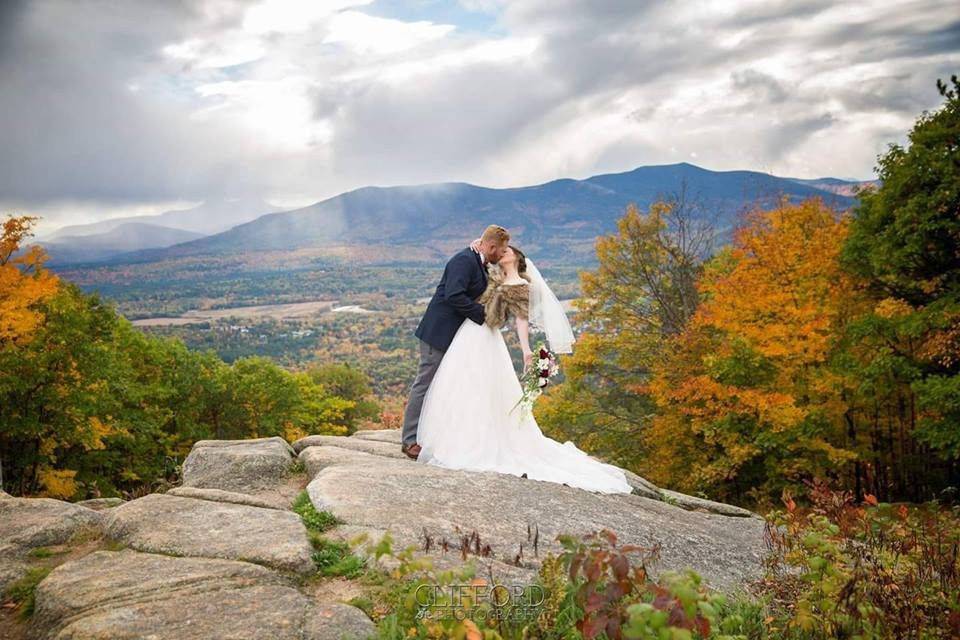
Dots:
pixel 496 233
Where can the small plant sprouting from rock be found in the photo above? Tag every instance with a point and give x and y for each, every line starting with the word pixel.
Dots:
pixel 518 559
pixel 173 470
pixel 297 466
pixel 533 537
pixel 109 544
pixel 469 543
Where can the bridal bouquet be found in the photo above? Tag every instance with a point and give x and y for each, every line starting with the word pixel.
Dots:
pixel 536 377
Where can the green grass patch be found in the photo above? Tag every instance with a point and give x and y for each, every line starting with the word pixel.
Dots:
pixel 334 558
pixel 110 544
pixel 746 616
pixel 318 521
pixel 22 591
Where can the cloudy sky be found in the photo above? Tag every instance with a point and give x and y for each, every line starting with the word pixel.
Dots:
pixel 122 107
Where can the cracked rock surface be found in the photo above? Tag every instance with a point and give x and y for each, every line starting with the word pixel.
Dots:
pixel 374 492
pixel 129 594
pixel 221 558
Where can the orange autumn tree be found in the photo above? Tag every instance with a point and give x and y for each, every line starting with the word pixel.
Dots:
pixel 747 399
pixel 23 283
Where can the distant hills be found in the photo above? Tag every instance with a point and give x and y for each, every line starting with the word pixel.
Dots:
pixel 558 218
pixel 213 216
pixel 105 239
pixel 123 238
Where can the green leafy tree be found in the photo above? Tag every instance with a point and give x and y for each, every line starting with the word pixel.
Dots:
pixel 263 399
pixel 55 392
pixel 91 406
pixel 905 243
pixel 348 383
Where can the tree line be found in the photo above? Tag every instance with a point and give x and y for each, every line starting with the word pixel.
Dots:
pixel 90 406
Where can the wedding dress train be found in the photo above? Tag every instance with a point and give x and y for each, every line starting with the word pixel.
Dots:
pixel 466 421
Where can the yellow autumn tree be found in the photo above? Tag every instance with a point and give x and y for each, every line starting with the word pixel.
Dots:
pixel 24 283
pixel 747 401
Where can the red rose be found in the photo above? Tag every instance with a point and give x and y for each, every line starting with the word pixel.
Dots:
pixel 543 353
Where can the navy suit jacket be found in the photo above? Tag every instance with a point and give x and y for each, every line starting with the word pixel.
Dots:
pixel 464 280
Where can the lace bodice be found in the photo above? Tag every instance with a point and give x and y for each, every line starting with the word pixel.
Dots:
pixel 502 300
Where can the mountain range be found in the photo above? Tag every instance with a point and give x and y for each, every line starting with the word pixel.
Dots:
pixel 212 216
pixel 122 238
pixel 105 239
pixel 557 217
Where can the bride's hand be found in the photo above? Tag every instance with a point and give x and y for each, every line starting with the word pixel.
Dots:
pixel 527 359
pixel 475 245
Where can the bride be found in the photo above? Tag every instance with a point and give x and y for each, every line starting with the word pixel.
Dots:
pixel 469 420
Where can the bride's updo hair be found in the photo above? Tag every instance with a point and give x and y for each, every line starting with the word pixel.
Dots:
pixel 521 262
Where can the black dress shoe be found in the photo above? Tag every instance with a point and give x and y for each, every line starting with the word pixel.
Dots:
pixel 412 451
pixel 524 475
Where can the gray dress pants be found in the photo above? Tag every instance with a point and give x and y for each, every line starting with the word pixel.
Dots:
pixel 430 358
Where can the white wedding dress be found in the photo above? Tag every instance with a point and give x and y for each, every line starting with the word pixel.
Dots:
pixel 466 420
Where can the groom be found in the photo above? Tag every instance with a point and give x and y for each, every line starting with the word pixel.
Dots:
pixel 464 280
